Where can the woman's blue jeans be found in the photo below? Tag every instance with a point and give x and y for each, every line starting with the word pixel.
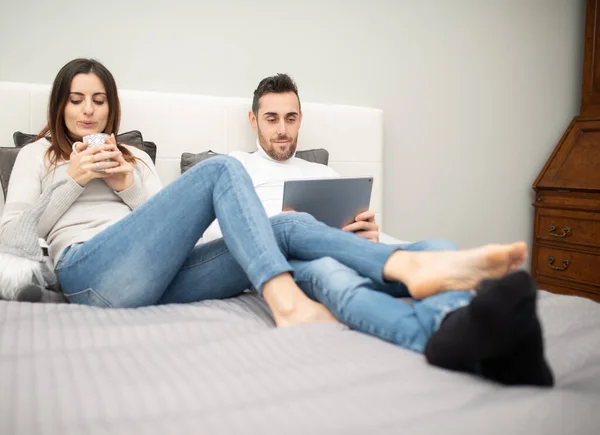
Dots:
pixel 150 256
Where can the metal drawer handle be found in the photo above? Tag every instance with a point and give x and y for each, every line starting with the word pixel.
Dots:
pixel 565 231
pixel 565 264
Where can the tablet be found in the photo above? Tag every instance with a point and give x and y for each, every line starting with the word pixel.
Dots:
pixel 333 201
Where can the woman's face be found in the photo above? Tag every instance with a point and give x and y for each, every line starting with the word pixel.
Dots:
pixel 86 111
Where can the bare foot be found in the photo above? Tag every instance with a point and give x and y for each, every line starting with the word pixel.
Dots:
pixel 428 273
pixel 307 311
pixel 290 306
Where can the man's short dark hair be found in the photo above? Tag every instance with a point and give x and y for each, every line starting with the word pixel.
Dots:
pixel 279 83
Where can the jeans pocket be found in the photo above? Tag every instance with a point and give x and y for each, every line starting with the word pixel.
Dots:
pixel 68 256
pixel 88 297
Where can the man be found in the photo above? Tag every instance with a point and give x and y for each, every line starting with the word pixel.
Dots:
pixel 495 334
pixel 275 159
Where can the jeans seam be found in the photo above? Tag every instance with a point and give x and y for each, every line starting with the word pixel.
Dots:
pixel 204 261
pixel 90 290
pixel 361 324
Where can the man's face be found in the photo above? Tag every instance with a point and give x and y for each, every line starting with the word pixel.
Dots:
pixel 277 124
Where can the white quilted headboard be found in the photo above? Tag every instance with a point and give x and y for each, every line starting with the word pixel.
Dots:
pixel 180 123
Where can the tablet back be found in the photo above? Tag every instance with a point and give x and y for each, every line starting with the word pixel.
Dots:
pixel 333 201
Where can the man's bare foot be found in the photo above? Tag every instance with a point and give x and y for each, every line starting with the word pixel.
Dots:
pixel 307 311
pixel 428 273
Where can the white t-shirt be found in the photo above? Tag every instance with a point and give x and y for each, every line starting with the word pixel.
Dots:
pixel 268 176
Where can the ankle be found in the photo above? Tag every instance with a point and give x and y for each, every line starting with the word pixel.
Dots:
pixel 398 264
pixel 283 295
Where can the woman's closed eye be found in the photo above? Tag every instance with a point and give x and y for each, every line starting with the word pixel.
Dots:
pixel 98 102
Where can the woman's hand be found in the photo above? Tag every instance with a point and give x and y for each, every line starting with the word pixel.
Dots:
pixel 120 176
pixel 88 163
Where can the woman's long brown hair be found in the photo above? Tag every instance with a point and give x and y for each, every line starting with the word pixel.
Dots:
pixel 56 131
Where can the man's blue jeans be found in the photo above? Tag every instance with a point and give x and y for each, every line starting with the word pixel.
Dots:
pixel 375 309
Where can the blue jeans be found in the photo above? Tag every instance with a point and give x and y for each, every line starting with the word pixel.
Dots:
pixel 374 309
pixel 149 257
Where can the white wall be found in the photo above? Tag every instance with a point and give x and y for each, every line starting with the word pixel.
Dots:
pixel 476 93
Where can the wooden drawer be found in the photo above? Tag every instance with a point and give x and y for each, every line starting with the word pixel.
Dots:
pixel 568 265
pixel 571 227
pixel 568 288
pixel 585 201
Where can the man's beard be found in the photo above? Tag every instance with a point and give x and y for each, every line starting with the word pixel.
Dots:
pixel 274 153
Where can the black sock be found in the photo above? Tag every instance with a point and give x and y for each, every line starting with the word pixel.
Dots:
pixel 526 365
pixel 497 323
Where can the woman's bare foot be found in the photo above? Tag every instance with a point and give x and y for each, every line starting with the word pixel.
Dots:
pixel 428 273
pixel 307 311
pixel 290 306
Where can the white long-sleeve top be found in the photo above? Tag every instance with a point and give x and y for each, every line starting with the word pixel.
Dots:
pixel 75 214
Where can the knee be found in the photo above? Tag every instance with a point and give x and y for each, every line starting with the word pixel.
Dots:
pixel 327 266
pixel 220 163
pixel 225 162
pixel 286 224
pixel 294 217
pixel 304 218
pixel 436 245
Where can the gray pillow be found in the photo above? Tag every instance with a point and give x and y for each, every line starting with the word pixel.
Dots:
pixel 8 155
pixel 133 137
pixel 318 155
pixel 188 159
pixel 21 139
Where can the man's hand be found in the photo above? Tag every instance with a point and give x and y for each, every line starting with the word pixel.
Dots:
pixel 365 226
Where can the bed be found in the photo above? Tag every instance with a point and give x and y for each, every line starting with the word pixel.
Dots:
pixel 221 367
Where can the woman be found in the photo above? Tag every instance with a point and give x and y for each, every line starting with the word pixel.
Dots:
pixel 118 239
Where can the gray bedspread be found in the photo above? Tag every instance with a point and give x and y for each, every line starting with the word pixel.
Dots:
pixel 220 367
